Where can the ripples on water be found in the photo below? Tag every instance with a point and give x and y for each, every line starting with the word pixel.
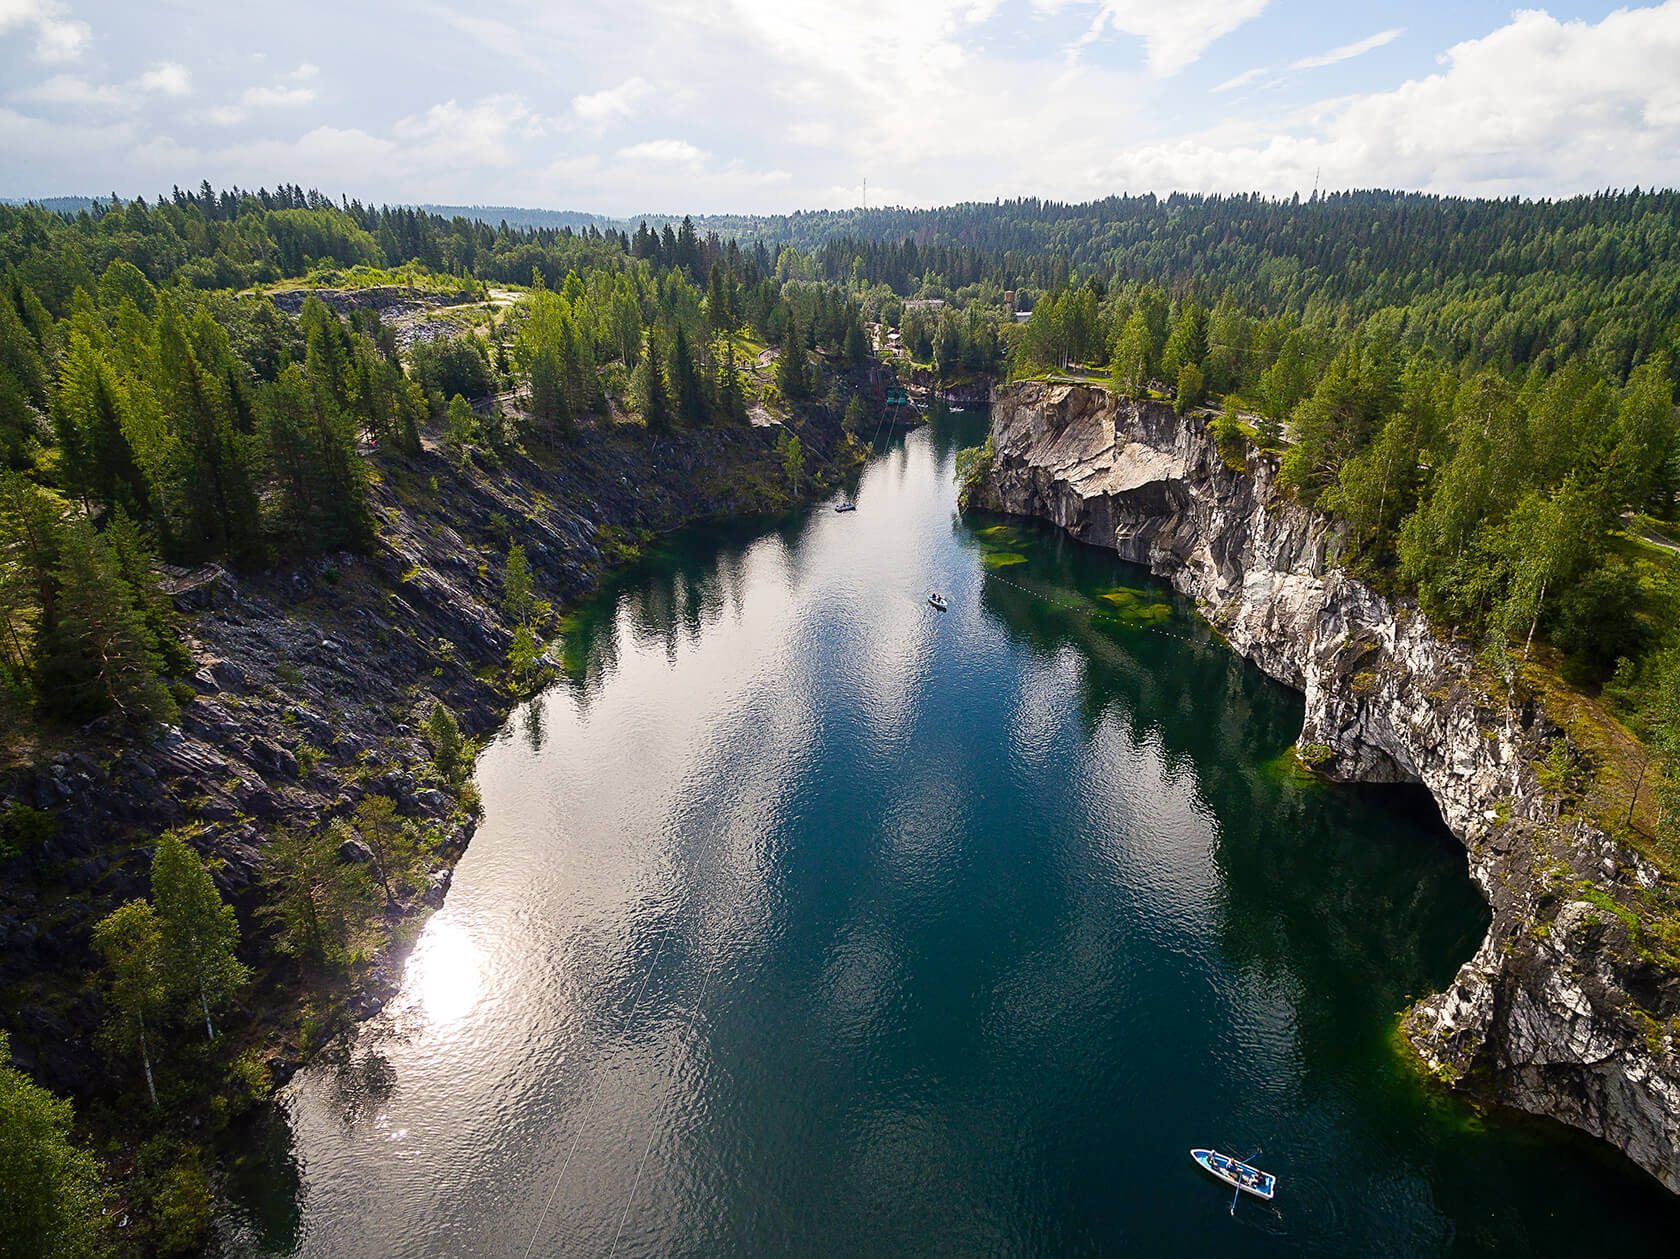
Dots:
pixel 808 920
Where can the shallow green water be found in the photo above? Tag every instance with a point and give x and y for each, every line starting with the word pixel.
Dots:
pixel 805 919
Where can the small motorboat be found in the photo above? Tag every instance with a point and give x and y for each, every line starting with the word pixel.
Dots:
pixel 938 601
pixel 1236 1173
pixel 845 507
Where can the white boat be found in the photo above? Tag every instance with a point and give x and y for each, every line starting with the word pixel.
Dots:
pixel 1236 1173
pixel 845 507
pixel 938 601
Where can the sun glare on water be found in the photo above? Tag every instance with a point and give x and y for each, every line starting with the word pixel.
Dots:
pixel 446 973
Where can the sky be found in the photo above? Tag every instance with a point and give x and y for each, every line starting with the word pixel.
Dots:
pixel 759 106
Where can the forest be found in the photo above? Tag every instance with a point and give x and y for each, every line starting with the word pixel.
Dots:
pixel 1482 393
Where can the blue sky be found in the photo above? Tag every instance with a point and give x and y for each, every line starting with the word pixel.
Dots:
pixel 768 105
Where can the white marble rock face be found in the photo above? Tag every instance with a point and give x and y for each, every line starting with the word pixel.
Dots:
pixel 1541 1018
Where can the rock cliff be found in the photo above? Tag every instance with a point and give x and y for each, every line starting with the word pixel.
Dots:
pixel 310 682
pixel 1569 1008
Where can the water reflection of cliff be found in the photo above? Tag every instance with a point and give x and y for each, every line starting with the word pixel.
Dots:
pixel 1304 906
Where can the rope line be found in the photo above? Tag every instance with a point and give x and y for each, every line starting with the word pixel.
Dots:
pixel 693 1018
pixel 590 1108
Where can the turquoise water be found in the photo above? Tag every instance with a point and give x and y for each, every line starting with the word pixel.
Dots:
pixel 807 920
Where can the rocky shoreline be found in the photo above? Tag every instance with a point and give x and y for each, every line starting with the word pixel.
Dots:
pixel 1571 1006
pixel 309 685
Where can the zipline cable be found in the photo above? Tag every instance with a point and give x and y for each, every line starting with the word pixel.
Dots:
pixel 588 1113
pixel 648 1148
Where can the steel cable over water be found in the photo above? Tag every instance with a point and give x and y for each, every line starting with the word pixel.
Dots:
pixel 688 1032
pixel 588 1113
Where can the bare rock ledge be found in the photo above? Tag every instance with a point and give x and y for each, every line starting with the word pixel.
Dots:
pixel 1555 1014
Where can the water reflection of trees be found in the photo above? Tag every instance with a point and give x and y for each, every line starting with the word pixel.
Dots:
pixel 674 595
pixel 261 1183
pixel 1357 892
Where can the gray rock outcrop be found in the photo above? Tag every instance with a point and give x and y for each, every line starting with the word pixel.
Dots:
pixel 1567 1009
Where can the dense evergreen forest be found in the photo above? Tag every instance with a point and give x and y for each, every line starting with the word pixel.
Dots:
pixel 1483 392
pixel 146 408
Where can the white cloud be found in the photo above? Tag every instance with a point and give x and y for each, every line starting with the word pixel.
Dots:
pixel 448 135
pixel 277 96
pixel 171 78
pixel 57 41
pixel 1241 80
pixel 1174 35
pixel 1348 51
pixel 664 151
pixel 226 115
pixel 58 37
pixel 67 89
pixel 1536 107
pixel 816 135
pixel 614 104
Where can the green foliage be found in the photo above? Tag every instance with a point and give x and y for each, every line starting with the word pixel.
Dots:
pixel 792 452
pixel 793 365
pixel 524 655
pixel 1226 430
pixel 1190 389
pixel 647 390
pixel 447 366
pixel 130 943
pixel 1132 366
pixel 170 1180
pixel 445 737
pixel 200 933
pixel 460 429
pixel 23 828
pixel 318 901
pixel 51 1198
pixel 391 839
pixel 973 465
pixel 517 586
pixel 99 653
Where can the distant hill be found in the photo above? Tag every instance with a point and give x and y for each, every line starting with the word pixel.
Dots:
pixel 518 216
pixel 57 205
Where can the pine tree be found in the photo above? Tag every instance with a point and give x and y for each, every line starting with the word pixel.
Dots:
pixel 445 736
pixel 517 588
pixel 129 941
pixel 391 839
pixel 200 933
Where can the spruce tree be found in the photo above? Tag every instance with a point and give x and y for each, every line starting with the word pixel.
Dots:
pixel 647 387
pixel 687 394
pixel 98 655
pixel 793 364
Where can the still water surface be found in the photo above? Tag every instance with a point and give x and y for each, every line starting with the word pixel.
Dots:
pixel 807 920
